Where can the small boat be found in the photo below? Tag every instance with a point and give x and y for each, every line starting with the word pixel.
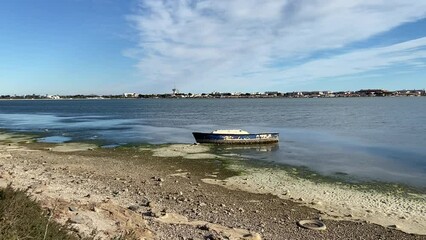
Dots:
pixel 233 136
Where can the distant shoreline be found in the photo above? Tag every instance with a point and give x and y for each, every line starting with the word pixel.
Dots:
pixel 252 97
pixel 270 94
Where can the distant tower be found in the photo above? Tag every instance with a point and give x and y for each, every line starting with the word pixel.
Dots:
pixel 175 91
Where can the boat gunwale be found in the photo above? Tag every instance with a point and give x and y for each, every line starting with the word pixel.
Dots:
pixel 236 134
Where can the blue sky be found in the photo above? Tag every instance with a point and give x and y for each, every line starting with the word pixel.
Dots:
pixel 149 46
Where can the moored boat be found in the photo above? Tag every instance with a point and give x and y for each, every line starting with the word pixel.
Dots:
pixel 235 137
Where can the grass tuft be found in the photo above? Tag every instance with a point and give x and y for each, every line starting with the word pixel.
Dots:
pixel 23 218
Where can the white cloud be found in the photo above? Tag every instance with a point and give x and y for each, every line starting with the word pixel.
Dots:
pixel 230 45
pixel 410 53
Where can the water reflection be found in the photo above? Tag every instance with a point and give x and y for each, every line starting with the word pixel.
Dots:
pixel 250 147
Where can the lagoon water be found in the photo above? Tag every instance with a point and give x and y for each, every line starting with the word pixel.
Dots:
pixel 358 139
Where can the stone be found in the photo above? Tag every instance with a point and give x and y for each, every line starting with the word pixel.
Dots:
pixel 77 219
pixel 252 236
pixel 72 208
pixel 94 209
pixel 3 183
pixel 133 207
pixel 154 213
pixel 145 202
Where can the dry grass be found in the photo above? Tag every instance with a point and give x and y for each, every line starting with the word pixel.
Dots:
pixel 22 218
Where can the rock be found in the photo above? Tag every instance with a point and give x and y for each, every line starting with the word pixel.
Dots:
pixel 72 208
pixel 78 219
pixel 3 183
pixel 154 213
pixel 204 227
pixel 394 226
pixel 38 190
pixel 94 209
pixel 133 207
pixel 252 236
pixel 151 204
pixel 5 155
pixel 145 202
pixel 201 204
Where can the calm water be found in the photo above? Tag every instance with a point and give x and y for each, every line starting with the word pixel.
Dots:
pixel 364 138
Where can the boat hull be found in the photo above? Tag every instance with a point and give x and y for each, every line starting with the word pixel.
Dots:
pixel 257 138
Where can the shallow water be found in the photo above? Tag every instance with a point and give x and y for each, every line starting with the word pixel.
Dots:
pixel 363 138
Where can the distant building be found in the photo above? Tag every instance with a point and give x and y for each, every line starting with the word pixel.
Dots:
pixel 130 95
pixel 175 91
pixel 53 96
pixel 374 92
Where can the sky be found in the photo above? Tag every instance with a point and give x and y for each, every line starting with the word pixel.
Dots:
pixel 152 46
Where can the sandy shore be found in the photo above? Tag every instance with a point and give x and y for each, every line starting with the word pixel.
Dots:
pixel 105 192
pixel 336 201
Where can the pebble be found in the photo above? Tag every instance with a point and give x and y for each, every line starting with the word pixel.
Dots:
pixel 133 207
pixel 393 226
pixel 151 204
pixel 76 219
pixel 94 209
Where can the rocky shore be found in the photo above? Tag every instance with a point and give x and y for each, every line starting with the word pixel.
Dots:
pixel 159 192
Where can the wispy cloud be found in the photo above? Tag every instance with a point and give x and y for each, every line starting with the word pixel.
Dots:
pixel 230 45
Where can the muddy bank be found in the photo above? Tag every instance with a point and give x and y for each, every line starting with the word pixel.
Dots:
pixel 106 192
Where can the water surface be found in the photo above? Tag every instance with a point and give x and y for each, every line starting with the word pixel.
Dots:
pixel 365 139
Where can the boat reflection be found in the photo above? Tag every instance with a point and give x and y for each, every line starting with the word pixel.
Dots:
pixel 252 147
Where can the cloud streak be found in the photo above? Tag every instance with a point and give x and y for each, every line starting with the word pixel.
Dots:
pixel 232 45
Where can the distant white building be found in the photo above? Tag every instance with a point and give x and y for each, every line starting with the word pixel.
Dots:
pixel 53 96
pixel 130 95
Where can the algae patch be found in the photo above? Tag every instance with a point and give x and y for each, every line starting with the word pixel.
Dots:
pixel 188 151
pixel 73 147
